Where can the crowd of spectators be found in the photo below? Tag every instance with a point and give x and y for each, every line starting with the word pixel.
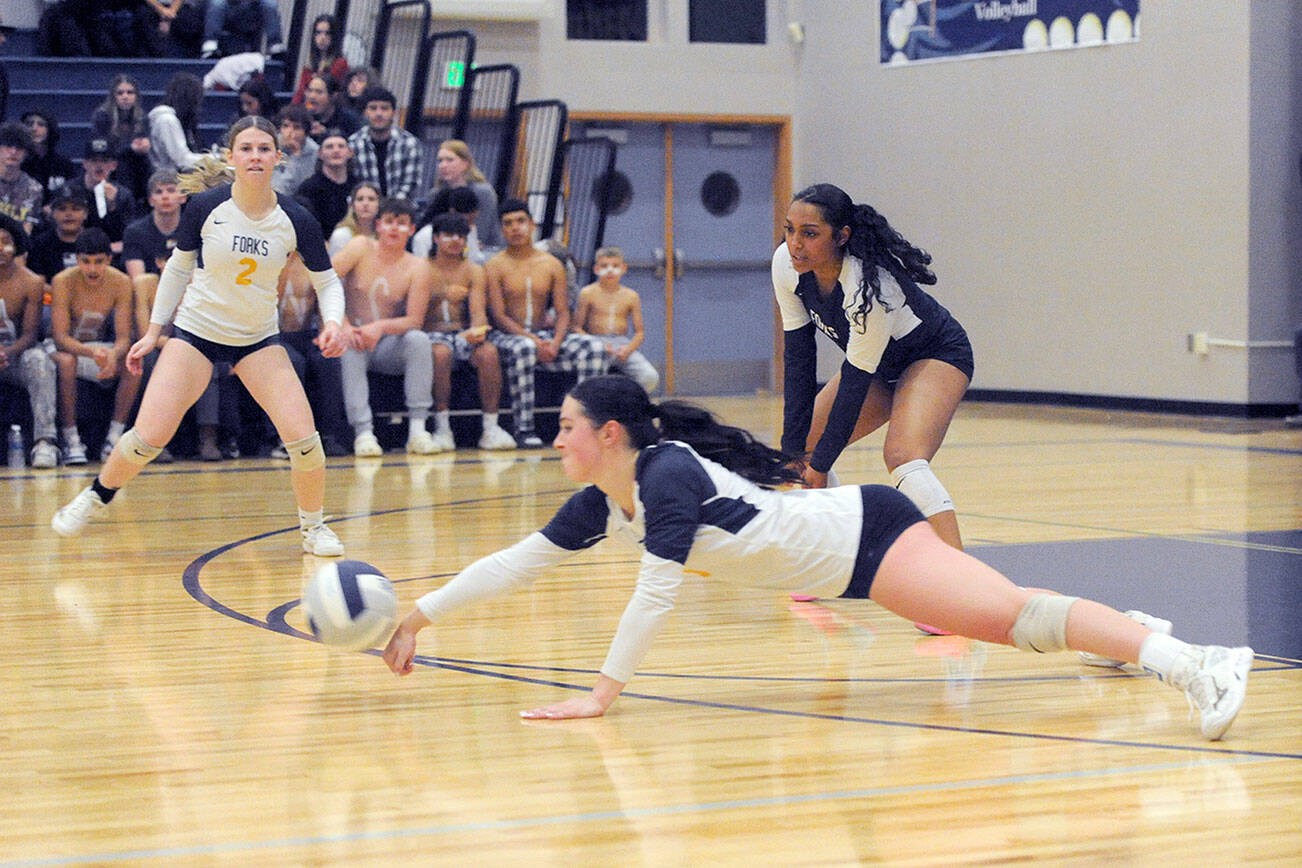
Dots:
pixel 84 237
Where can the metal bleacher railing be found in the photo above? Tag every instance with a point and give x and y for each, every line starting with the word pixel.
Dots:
pixel 442 92
pixel 579 200
pixel 488 123
pixel 536 163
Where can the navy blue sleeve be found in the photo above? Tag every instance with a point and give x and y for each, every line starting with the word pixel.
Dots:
pixel 799 387
pixel 581 522
pixel 850 395
pixel 307 229
pixel 672 485
pixel 194 213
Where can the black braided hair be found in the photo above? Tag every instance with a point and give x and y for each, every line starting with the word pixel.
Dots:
pixel 873 240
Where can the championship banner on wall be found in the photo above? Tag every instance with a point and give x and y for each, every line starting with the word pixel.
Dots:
pixel 916 31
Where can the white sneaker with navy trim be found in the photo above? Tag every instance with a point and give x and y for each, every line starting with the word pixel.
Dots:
pixel 1215 681
pixel 321 541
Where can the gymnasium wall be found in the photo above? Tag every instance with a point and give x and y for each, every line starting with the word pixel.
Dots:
pixel 1275 204
pixel 665 74
pixel 1087 209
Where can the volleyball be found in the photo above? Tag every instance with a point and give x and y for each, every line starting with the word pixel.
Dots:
pixel 350 605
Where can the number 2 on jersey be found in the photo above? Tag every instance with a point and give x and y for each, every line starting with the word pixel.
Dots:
pixel 245 277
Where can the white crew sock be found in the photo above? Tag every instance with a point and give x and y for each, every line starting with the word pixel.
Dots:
pixel 490 421
pixel 1159 654
pixel 70 435
pixel 442 420
pixel 310 519
pixel 414 427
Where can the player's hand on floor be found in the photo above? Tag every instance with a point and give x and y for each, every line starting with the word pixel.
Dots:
pixel 569 709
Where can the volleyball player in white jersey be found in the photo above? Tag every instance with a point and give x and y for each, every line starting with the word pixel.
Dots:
pixel 653 481
pixel 843 270
pixel 231 245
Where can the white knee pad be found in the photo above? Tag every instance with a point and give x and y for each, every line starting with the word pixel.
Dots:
pixel 915 481
pixel 306 454
pixel 1041 626
pixel 136 450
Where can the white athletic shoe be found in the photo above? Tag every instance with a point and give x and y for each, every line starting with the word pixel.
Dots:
pixel 421 443
pixel 366 446
pixel 208 49
pixel 74 453
pixel 528 440
pixel 496 438
pixel 70 519
pixel 321 541
pixel 1214 680
pixel 45 455
pixel 444 440
pixel 1157 625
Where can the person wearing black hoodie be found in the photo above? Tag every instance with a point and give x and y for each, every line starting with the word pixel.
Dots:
pixel 44 163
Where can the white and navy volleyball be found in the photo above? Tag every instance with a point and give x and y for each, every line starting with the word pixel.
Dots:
pixel 350 605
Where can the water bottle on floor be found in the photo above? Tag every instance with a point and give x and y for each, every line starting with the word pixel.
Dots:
pixel 16 458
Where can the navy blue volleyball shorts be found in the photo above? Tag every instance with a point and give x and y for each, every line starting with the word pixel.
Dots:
pixel 949 344
pixel 886 515
pixel 219 353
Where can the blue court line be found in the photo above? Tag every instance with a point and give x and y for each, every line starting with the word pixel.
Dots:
pixel 276 623
pixel 626 814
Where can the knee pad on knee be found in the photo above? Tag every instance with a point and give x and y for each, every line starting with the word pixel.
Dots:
pixel 1041 626
pixel 915 481
pixel 306 454
pixel 136 450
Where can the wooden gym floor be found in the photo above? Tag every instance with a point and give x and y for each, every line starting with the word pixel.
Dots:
pixel 162 705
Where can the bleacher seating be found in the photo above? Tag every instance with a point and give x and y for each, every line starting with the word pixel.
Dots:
pixel 521 147
pixel 72 87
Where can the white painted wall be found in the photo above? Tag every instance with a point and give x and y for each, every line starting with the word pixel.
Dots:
pixel 1087 209
pixel 665 74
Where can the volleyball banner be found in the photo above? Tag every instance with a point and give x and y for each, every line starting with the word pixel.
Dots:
pixel 916 31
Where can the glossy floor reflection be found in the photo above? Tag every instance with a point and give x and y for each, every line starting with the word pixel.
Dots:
pixel 164 706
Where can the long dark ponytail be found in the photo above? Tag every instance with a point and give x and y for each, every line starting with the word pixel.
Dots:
pixel 623 400
pixel 873 240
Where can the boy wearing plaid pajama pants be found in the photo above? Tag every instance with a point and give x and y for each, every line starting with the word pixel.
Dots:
pixel 525 285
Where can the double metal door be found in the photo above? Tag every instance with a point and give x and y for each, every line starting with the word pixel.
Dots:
pixel 693 212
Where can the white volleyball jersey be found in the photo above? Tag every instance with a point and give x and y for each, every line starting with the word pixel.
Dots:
pixel 690 516
pixel 800 303
pixel 236 263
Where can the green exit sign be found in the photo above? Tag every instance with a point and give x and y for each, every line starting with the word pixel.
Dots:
pixel 454 74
